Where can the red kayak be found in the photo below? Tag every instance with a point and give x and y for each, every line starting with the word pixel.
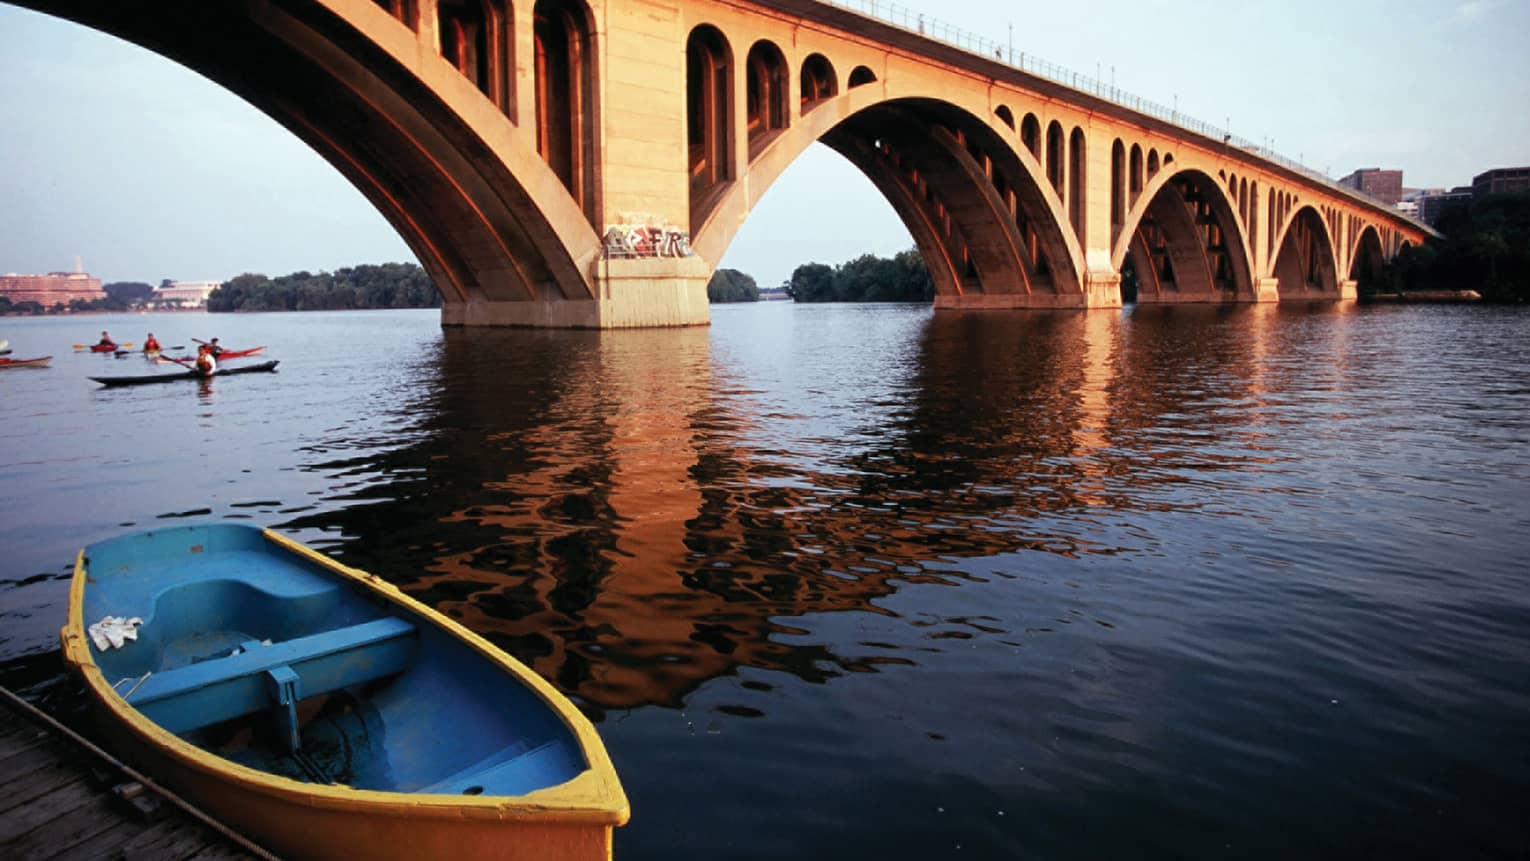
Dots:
pixel 238 354
pixel 103 348
pixel 40 362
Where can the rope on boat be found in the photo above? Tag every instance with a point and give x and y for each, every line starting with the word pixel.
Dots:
pixel 47 720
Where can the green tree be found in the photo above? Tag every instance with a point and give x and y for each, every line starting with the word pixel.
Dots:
pixel 1486 247
pixel 868 278
pixel 731 285
pixel 811 282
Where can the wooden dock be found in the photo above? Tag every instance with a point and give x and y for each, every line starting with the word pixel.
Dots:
pixel 61 797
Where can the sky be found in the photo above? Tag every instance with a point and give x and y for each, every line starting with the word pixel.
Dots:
pixel 145 171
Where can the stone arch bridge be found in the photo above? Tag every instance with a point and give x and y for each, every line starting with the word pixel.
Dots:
pixel 585 164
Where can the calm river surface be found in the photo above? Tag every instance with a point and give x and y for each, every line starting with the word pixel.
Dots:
pixel 869 581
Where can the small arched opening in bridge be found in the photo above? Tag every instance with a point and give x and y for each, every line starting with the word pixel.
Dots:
pixel 1253 217
pixel 474 37
pixel 565 96
pixel 404 10
pixel 818 81
pixel 1134 174
pixel 1056 169
pixel 1304 267
pixel 1117 188
pixel 768 90
pixel 1078 161
pixel 1152 163
pixel 1243 199
pixel 709 118
pixel 1030 135
pixel 1005 115
pixel 1168 159
pixel 860 76
pixel 1185 243
pixel 1369 261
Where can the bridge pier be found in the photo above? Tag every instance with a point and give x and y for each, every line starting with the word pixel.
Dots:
pixel 1266 290
pixel 633 293
pixel 1349 291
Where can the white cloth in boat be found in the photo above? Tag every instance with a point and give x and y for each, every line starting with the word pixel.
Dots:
pixel 112 631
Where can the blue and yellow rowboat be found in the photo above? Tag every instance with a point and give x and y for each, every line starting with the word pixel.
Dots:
pixel 324 713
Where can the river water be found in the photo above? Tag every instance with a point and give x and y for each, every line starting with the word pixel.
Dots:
pixel 871 581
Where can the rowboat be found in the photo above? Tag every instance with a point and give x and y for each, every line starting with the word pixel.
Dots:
pixel 322 712
pixel 145 379
pixel 39 362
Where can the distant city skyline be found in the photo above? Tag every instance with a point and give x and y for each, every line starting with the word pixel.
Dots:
pixel 147 171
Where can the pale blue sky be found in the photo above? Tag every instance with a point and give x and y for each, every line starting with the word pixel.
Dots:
pixel 147 171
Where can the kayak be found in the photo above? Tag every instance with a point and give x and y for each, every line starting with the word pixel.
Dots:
pixel 322 712
pixel 222 357
pixel 185 375
pixel 40 362
pixel 104 348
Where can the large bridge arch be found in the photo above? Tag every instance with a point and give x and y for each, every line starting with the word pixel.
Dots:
pixel 1367 258
pixel 976 202
pixel 427 137
pixel 1305 263
pixel 1185 240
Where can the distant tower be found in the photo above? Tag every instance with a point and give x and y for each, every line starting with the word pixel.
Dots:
pixel 78 268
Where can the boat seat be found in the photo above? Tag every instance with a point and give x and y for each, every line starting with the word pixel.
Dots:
pixel 519 772
pixel 265 676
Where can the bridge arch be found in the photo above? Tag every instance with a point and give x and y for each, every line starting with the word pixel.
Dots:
pixel 860 76
pixel 1030 135
pixel 767 94
pixel 1367 258
pixel 564 84
pixel 474 38
pixel 818 81
pixel 1185 241
pixel 709 118
pixel 978 208
pixel 1305 264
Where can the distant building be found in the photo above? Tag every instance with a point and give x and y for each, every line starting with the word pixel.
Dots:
pixel 185 294
pixel 1432 206
pixel 1504 180
pixel 1408 208
pixel 1384 185
pixel 55 288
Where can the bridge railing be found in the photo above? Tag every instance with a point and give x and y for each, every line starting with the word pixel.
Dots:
pixel 922 24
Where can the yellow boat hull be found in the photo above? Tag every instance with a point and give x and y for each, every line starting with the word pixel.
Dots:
pixel 301 820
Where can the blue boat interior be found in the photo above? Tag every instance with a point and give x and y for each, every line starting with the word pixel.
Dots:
pixel 268 659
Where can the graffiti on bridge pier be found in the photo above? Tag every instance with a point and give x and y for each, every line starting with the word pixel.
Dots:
pixel 641 235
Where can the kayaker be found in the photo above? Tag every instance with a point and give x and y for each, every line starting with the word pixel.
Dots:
pixel 212 347
pixel 106 341
pixel 207 364
pixel 150 345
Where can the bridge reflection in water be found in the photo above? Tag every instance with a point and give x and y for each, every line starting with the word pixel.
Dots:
pixel 624 512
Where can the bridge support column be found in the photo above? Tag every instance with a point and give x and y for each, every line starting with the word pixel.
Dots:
pixel 1102 290
pixel 1266 290
pixel 1349 291
pixel 631 294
